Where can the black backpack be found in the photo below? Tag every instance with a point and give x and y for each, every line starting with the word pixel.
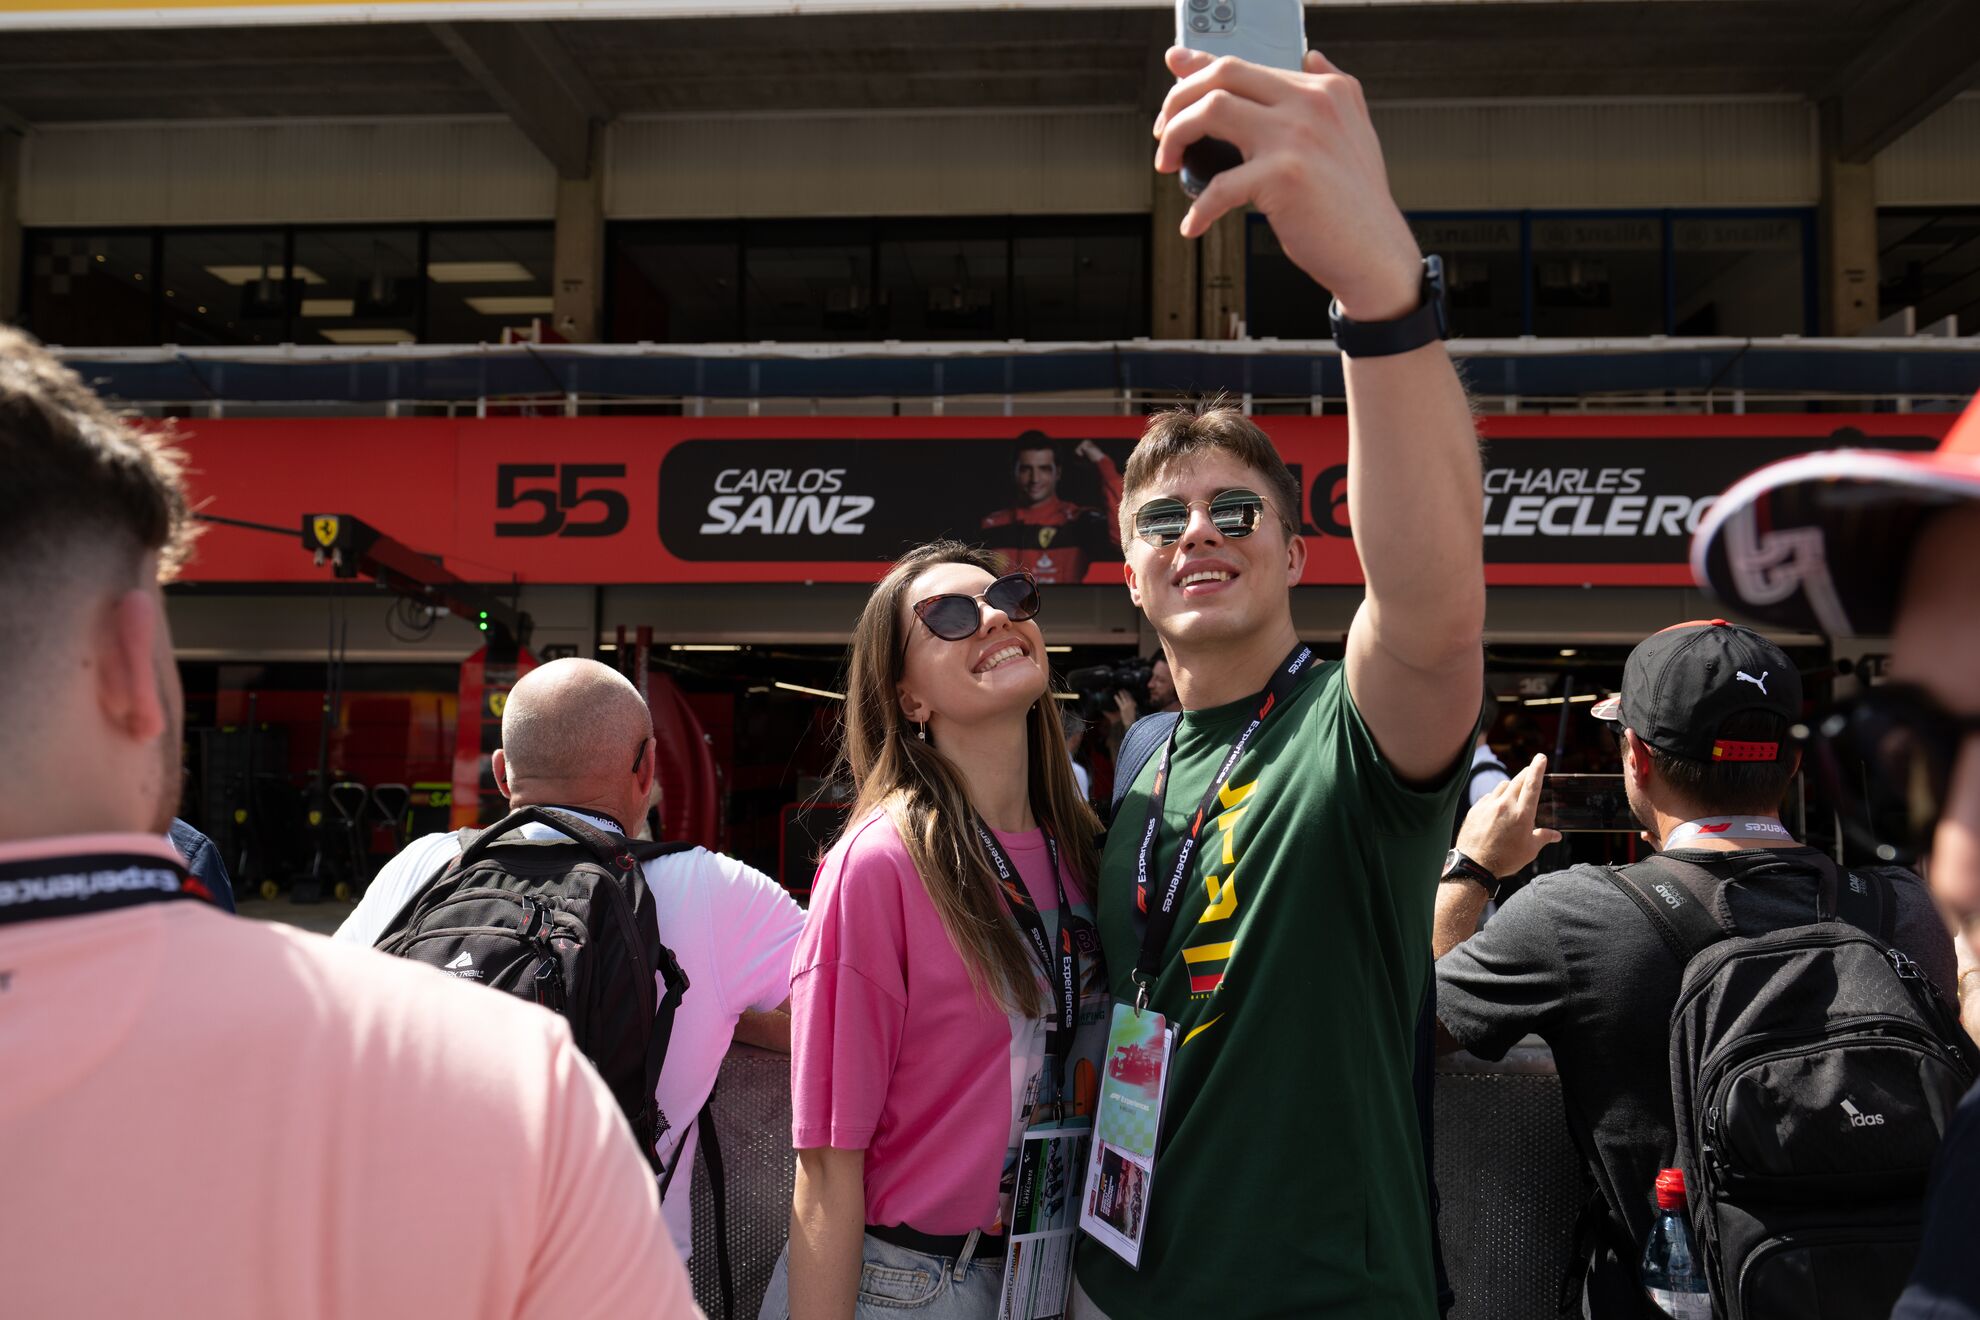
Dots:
pixel 568 925
pixel 1814 1070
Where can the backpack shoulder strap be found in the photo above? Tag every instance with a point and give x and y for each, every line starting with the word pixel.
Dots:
pixel 1865 900
pixel 1138 748
pixel 1667 892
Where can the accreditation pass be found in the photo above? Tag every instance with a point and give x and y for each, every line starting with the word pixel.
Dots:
pixel 1120 1171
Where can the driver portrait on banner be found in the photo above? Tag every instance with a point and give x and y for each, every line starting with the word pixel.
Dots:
pixel 1051 538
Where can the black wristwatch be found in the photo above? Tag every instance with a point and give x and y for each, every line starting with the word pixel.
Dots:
pixel 1459 867
pixel 1431 321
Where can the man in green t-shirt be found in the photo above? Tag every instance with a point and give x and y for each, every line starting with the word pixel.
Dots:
pixel 1289 1175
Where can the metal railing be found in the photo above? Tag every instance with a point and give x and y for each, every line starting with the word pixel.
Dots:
pixel 1655 374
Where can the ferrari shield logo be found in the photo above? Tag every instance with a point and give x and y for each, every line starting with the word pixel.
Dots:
pixel 496 702
pixel 324 527
pixel 1045 535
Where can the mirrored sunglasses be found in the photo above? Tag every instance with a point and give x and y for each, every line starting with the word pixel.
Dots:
pixel 1234 513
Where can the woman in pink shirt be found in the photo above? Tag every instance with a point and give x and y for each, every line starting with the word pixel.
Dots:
pixel 925 1034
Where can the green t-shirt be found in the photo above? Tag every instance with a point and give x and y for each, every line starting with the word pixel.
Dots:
pixel 1289 1177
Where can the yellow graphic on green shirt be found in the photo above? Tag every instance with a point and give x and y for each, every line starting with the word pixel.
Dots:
pixel 1214 940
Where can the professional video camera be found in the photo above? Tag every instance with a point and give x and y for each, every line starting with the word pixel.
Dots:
pixel 1097 684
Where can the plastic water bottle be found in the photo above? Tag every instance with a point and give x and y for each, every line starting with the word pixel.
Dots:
pixel 1672 1273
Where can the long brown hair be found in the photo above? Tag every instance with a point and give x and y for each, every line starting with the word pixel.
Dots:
pixel 894 771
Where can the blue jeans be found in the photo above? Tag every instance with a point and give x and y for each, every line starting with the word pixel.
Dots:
pixel 894 1281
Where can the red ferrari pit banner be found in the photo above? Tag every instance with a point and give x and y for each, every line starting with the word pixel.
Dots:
pixel 1568 500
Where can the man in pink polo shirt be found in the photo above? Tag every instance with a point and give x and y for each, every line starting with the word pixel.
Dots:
pixel 397 1143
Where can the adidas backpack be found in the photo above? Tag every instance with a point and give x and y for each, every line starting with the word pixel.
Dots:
pixel 1814 1070
pixel 568 924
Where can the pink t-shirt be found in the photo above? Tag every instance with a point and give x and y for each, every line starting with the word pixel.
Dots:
pixel 894 1051
pixel 368 1137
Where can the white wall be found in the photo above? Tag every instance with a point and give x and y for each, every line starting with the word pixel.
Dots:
pixel 1442 156
pixel 1936 163
pixel 1509 155
pixel 321 171
pixel 973 163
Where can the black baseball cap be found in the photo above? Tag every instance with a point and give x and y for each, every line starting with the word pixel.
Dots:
pixel 1681 685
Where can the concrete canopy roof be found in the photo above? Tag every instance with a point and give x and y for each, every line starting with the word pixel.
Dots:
pixel 555 78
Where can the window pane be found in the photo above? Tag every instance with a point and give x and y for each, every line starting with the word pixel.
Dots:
pixel 1281 300
pixel 226 287
pixel 942 280
pixel 807 281
pixel 1481 273
pixel 1080 279
pixel 90 290
pixel 1931 261
pixel 675 284
pixel 1739 275
pixel 358 286
pixel 1598 276
pixel 481 281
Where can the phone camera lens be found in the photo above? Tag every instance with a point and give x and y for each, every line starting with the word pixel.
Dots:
pixel 1199 4
pixel 1222 13
pixel 1199 22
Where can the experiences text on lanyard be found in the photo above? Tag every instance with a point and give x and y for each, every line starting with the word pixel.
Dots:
pixel 1764 828
pixel 80 884
pixel 1062 971
pixel 1162 909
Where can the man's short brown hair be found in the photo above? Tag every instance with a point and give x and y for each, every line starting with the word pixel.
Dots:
pixel 1209 425
pixel 74 476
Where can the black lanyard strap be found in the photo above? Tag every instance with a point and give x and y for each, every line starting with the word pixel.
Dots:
pixel 1063 971
pixel 83 883
pixel 1161 920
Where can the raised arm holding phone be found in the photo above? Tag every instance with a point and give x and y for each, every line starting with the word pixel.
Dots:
pixel 1294 939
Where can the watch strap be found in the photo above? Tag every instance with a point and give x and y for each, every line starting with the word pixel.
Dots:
pixel 1427 324
pixel 1468 868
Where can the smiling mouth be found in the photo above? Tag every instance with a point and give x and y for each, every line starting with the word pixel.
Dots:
pixel 1001 656
pixel 1203 576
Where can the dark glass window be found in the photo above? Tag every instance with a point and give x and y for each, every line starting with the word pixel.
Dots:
pixel 480 282
pixel 357 286
pixel 1481 272
pixel 1598 276
pixel 1281 300
pixel 90 290
pixel 1080 278
pixel 230 286
pixel 807 281
pixel 1059 278
pixel 945 281
pixel 1739 275
pixel 676 284
pixel 1929 260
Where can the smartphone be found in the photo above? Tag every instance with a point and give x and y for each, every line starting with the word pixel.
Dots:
pixel 1585 804
pixel 1267 32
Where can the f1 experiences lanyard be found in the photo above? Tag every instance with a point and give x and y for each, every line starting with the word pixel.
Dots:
pixel 83 883
pixel 1728 827
pixel 1065 987
pixel 1162 915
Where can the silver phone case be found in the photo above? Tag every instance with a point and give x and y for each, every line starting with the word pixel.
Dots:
pixel 1267 32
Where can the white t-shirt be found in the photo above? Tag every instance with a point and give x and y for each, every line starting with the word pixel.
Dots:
pixel 731 927
pixel 1487 774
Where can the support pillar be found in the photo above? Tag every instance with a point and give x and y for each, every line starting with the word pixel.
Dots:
pixel 1174 263
pixel 578 297
pixel 10 225
pixel 1221 303
pixel 1847 236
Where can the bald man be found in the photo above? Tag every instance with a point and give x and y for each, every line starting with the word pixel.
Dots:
pixel 577 738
